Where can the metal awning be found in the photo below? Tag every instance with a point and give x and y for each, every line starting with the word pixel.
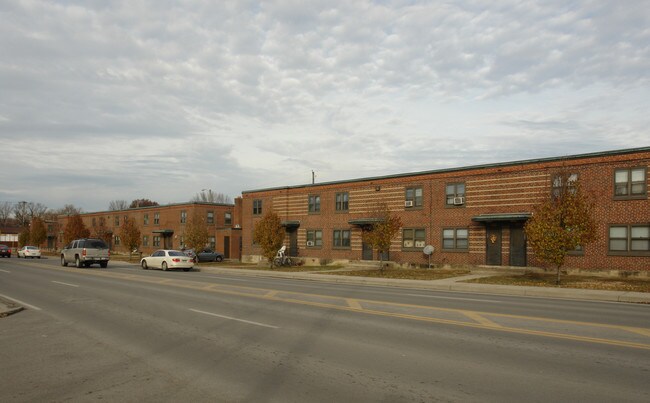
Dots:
pixel 290 223
pixel 163 231
pixel 502 217
pixel 365 221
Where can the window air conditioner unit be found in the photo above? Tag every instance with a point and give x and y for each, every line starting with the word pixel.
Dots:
pixel 310 243
pixel 408 203
pixel 459 201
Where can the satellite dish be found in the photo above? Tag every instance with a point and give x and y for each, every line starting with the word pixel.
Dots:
pixel 428 250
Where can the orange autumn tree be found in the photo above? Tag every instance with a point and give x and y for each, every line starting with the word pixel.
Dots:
pixel 561 223
pixel 269 235
pixel 384 229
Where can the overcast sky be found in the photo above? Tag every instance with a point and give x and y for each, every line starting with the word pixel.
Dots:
pixel 104 100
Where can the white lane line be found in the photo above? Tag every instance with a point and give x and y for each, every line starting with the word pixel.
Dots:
pixel 30 306
pixel 5 271
pixel 68 284
pixel 462 299
pixel 231 318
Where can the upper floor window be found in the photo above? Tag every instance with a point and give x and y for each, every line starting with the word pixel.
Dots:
pixel 210 217
pixel 629 239
pixel 183 216
pixel 342 201
pixel 455 238
pixel 455 194
pixel 341 238
pixel 94 222
pixel 116 221
pixel 559 184
pixel 314 238
pixel 413 197
pixel 630 182
pixel 257 207
pixel 146 219
pixel 413 238
pixel 156 218
pixel 227 220
pixel 313 203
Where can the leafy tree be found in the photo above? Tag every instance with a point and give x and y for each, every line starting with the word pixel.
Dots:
pixel 383 231
pixel 196 232
pixel 74 229
pixel 142 203
pixel 37 232
pixel 117 205
pixel 269 235
pixel 562 222
pixel 102 232
pixel 23 237
pixel 130 235
pixel 211 197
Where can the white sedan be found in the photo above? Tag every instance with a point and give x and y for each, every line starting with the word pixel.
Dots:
pixel 29 251
pixel 167 259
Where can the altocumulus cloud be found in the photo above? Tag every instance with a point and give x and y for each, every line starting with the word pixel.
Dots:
pixel 159 99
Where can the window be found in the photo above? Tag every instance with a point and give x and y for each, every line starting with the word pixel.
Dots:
pixel 213 242
pixel 182 241
pixel 94 222
pixel 558 183
pixel 117 240
pixel 455 239
pixel 413 197
pixel 146 219
pixel 145 240
pixel 314 238
pixel 313 204
pixel 629 239
pixel 413 238
pixel 156 218
pixel 630 183
pixel 183 216
pixel 341 238
pixel 455 194
pixel 156 241
pixel 210 217
pixel 342 201
pixel 227 219
pixel 257 207
pixel 116 221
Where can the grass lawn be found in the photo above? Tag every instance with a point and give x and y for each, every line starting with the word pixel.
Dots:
pixel 408 274
pixel 568 281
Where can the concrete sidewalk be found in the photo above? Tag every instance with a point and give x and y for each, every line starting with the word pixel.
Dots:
pixel 8 307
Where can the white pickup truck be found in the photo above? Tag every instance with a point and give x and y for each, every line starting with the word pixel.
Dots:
pixel 84 252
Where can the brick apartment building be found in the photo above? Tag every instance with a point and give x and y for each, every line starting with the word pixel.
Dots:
pixel 470 215
pixel 163 227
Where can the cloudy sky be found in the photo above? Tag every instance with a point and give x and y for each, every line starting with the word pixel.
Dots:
pixel 104 100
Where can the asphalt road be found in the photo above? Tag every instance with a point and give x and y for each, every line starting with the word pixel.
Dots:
pixel 124 334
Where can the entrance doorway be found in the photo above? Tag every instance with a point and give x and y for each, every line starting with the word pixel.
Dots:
pixel 293 242
pixel 226 247
pixel 493 245
pixel 366 251
pixel 517 246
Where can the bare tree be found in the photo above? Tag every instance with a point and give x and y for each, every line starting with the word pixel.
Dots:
pixel 36 210
pixel 68 209
pixel 5 213
pixel 142 203
pixel 116 205
pixel 21 213
pixel 208 196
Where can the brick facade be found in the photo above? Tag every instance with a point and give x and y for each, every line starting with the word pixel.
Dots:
pixel 486 223
pixel 165 222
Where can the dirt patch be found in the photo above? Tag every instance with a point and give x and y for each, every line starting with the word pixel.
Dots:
pixel 582 282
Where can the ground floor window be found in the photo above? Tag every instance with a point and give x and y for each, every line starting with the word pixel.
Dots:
pixel 455 238
pixel 213 243
pixel 341 238
pixel 413 238
pixel 629 239
pixel 145 240
pixel 117 240
pixel 156 241
pixel 314 238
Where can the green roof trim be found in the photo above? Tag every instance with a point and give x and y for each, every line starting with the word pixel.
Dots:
pixel 460 169
pixel 290 223
pixel 502 217
pixel 163 231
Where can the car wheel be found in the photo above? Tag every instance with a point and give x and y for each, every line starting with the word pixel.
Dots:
pixel 187 269
pixel 39 257
pixel 77 262
pixel 218 259
pixel 103 265
pixel 63 262
pixel 144 265
pixel 164 266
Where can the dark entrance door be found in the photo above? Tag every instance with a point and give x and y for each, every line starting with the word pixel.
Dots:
pixel 366 252
pixel 493 248
pixel 293 243
pixel 167 241
pixel 226 247
pixel 517 246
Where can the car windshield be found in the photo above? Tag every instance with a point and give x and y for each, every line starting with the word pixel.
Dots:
pixel 175 253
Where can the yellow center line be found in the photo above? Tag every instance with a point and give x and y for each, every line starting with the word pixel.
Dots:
pixel 480 319
pixel 354 304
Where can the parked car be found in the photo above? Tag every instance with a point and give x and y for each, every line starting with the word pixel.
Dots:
pixel 208 255
pixel 167 259
pixel 5 251
pixel 86 251
pixel 29 251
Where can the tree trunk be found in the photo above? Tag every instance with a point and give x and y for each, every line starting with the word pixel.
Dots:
pixel 557 280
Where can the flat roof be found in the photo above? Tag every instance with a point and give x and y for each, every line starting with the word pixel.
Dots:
pixel 457 169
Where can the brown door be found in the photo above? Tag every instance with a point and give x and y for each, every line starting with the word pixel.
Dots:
pixel 293 243
pixel 493 248
pixel 517 246
pixel 226 247
pixel 366 252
